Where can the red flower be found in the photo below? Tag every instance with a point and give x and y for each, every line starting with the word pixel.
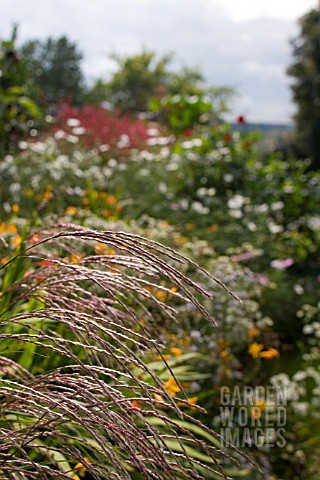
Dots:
pixel 187 132
pixel 241 119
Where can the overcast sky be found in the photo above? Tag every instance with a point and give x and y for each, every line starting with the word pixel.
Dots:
pixel 240 43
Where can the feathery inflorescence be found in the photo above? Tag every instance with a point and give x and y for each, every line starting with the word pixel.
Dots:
pixel 77 394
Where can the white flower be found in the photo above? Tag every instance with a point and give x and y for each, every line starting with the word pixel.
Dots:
pixel 236 202
pixel 153 132
pixel 124 141
pixel 277 206
pixel 59 134
pixel 73 122
pixel 78 131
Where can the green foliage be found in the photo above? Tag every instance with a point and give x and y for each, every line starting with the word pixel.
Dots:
pixel 142 77
pixel 53 69
pixel 97 94
pixel 305 71
pixel 17 111
pixel 138 78
pixel 182 112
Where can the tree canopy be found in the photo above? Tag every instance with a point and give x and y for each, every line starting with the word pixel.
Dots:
pixel 53 69
pixel 143 76
pixel 305 71
pixel 139 77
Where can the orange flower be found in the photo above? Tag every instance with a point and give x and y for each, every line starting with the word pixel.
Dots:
pixel 271 353
pixel 136 404
pixel 46 263
pixel 253 332
pixel 161 295
pixel 163 357
pixel 258 408
pixel 177 352
pixel 191 401
pixel 107 213
pixel 112 200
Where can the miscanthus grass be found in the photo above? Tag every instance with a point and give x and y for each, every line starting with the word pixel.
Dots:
pixel 78 395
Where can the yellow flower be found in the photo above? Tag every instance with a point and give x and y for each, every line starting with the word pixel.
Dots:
pixel 260 403
pixel 15 208
pixel 110 251
pixel 100 248
pixel 213 228
pixel 47 195
pixel 80 469
pixel 190 226
pixel 71 210
pixel 16 241
pixel 182 240
pixel 225 355
pixel 29 192
pixel 223 343
pixel 172 387
pixel 255 349
pixel 271 353
pixel 74 258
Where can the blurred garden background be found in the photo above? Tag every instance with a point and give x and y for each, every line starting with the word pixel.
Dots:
pixel 154 151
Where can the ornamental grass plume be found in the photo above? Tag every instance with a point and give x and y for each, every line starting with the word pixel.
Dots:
pixel 77 396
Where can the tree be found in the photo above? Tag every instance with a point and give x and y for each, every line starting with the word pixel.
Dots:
pixel 142 77
pixel 139 77
pixel 53 69
pixel 305 71
pixel 18 113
